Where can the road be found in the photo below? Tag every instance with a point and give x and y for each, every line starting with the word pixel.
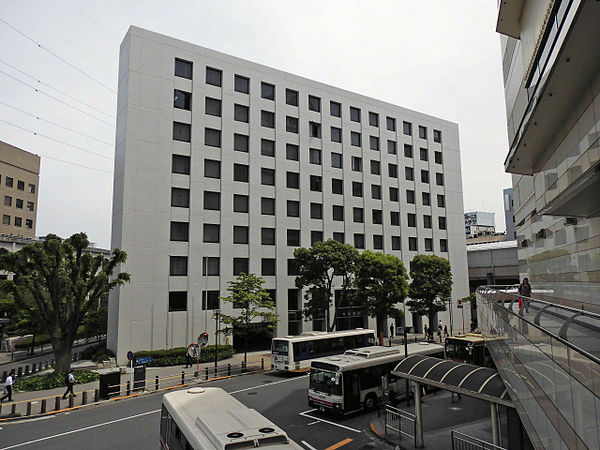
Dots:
pixel 134 423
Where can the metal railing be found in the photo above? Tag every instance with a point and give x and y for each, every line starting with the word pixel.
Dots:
pixel 401 422
pixel 461 441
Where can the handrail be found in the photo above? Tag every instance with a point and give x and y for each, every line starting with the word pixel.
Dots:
pixel 482 290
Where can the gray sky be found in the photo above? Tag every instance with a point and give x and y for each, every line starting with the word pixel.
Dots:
pixel 438 57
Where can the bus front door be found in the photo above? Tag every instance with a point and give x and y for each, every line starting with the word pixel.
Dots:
pixel 351 392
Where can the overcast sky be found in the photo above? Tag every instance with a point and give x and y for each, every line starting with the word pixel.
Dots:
pixel 438 57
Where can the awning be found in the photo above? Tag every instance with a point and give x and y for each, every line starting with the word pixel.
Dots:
pixel 473 381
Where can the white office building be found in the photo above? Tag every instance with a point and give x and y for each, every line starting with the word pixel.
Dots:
pixel 225 166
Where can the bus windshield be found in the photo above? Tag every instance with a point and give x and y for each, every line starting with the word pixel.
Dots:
pixel 325 381
pixel 280 347
pixel 457 350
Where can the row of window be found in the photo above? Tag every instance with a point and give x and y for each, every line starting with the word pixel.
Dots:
pixel 9 182
pixel 18 221
pixel 267 91
pixel 8 201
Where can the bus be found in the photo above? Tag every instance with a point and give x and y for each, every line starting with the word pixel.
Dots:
pixel 468 348
pixel 294 353
pixel 353 381
pixel 209 418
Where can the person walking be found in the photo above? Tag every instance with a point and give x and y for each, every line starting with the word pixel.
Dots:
pixel 445 331
pixel 70 383
pixel 440 328
pixel 525 291
pixel 8 386
pixel 188 360
pixel 425 331
pixel 392 331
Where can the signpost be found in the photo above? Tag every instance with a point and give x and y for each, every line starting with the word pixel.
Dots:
pixel 460 305
pixel 194 350
pixel 143 360
pixel 130 357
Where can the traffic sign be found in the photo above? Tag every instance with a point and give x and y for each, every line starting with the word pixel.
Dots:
pixel 130 355
pixel 459 304
pixel 143 360
pixel 203 339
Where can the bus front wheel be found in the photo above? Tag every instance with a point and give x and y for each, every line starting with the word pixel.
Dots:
pixel 370 402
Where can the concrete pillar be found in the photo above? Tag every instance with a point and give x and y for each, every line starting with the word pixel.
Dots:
pixel 418 417
pixel 495 424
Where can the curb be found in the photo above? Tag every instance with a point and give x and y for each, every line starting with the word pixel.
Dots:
pixel 384 438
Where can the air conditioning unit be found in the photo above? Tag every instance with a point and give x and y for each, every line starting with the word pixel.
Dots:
pixel 570 221
pixel 541 234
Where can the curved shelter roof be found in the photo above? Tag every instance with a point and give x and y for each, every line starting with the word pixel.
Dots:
pixel 474 381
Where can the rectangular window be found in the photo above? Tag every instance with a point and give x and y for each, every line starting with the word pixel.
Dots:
pixel 336 160
pixel 267 266
pixel 394 194
pixel 212 106
pixel 355 139
pixel 214 76
pixel 29 223
pixel 315 156
pixel 423 155
pixel 407 128
pixel 376 192
pixel 293 208
pixel 373 119
pixel 441 201
pixel 212 137
pixel 291 124
pixel 180 197
pixel 437 157
pixel 7 200
pixel 267 176
pixel 212 168
pixel 359 240
pixel 395 218
pixel 5 219
pixel 177 301
pixel 178 266
pixel 409 174
pixel 336 134
pixel 412 220
pixel 316 210
pixel 337 186
pixel 293 238
pixel 267 119
pixel 392 149
pixel 375 167
pixel 292 180
pixel 182 100
pixel 410 196
pixel 356 164
pixel 29 206
pixel 338 212
pixel 241 143
pixel 314 129
pixel 315 236
pixel 424 176
pixel 240 234
pixel 439 179
pixel 20 185
pixel 374 143
pixel 358 215
pixel 181 132
pixel 316 183
pixel 267 206
pixel 180 231
pixel 31 188
pixel 212 200
pixel 335 109
pixel 292 267
pixel 377 216
pixel 267 91
pixel 442 223
pixel 314 103
pixel 18 222
pixel 428 244
pixel 9 182
pixel 292 152
pixel 437 136
pixel 240 266
pixel 443 245
pixel 378 242
pixel 267 236
pixel 354 114
pixel 339 237
pixel 211 266
pixel 426 198
pixel 390 123
pixel 241 203
pixel 183 68
pixel 393 170
pixel 408 150
pixel 211 232
pixel 422 132
pixel 412 244
pixel 241 84
pixel 241 113
pixel 267 147
pixel 396 243
pixel 180 164
pixel 210 300
pixel 426 221
pixel 241 172
pixel 291 97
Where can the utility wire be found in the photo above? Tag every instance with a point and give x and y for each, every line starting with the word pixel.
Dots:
pixel 57 140
pixel 78 165
pixel 56 89
pixel 58 57
pixel 55 124
pixel 94 22
pixel 57 99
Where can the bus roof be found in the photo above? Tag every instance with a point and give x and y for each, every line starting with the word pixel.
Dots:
pixel 314 335
pixel 208 416
pixel 470 337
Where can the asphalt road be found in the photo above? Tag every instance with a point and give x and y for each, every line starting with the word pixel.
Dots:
pixel 134 423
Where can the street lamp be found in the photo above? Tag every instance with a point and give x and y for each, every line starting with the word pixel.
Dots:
pixel 217 312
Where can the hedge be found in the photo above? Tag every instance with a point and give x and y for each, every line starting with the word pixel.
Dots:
pixel 176 356
pixel 53 380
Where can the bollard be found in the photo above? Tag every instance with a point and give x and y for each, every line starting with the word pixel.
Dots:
pixel 28 409
pixel 96 395
pixel 156 383
pixel 128 387
pixel 228 369
pixel 243 367
pixel 56 403
pixel 26 369
pixel 20 372
pixel 40 367
pixel 206 373
pixel 262 363
pixel 13 410
pixel 84 398
pixel 33 368
pixel 43 406
pixel 182 377
pixel 71 401
pixel 216 372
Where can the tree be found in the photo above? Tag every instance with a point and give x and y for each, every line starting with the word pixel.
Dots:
pixel 57 282
pixel 246 292
pixel 382 281
pixel 318 267
pixel 95 323
pixel 430 287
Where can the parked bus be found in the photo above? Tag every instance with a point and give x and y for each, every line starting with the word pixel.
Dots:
pixel 210 418
pixel 468 348
pixel 294 353
pixel 353 381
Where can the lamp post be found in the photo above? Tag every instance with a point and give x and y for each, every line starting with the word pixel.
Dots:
pixel 406 352
pixel 217 312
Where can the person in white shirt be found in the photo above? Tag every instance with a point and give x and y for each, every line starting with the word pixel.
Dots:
pixel 70 382
pixel 8 386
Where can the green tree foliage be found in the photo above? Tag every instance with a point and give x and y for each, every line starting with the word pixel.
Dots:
pixel 383 282
pixel 57 282
pixel 247 292
pixel 318 267
pixel 430 287
pixel 95 323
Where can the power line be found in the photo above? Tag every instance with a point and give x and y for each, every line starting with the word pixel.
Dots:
pixel 57 99
pixel 56 89
pixel 57 140
pixel 78 165
pixel 94 22
pixel 58 57
pixel 56 124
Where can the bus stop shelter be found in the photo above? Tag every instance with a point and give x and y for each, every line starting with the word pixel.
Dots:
pixel 478 382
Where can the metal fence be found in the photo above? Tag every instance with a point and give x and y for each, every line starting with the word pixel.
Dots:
pixel 401 422
pixel 462 441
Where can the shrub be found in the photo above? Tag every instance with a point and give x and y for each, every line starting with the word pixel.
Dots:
pixel 53 380
pixel 96 353
pixel 176 356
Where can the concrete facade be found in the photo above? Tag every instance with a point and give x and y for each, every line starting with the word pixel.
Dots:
pixel 402 189
pixel 19 183
pixel 509 215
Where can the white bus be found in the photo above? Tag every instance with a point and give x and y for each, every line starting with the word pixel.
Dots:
pixel 294 353
pixel 210 418
pixel 353 381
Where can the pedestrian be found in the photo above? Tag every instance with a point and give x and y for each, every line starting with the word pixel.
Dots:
pixel 8 386
pixel 392 331
pixel 525 291
pixel 440 328
pixel 70 383
pixel 188 360
pixel 425 331
pixel 445 331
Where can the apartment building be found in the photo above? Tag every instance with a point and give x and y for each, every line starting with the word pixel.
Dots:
pixel 225 166
pixel 19 181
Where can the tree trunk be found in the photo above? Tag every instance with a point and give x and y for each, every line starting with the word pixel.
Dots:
pixel 62 355
pixel 432 326
pixel 380 321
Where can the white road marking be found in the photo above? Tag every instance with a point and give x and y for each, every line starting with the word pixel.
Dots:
pixel 312 423
pixel 305 414
pixel 267 385
pixel 310 447
pixel 81 429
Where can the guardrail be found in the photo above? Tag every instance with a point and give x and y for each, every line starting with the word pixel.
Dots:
pixel 461 441
pixel 401 422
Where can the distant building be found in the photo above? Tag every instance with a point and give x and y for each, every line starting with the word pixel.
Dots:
pixel 479 223
pixel 509 215
pixel 19 181
pixel 492 263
